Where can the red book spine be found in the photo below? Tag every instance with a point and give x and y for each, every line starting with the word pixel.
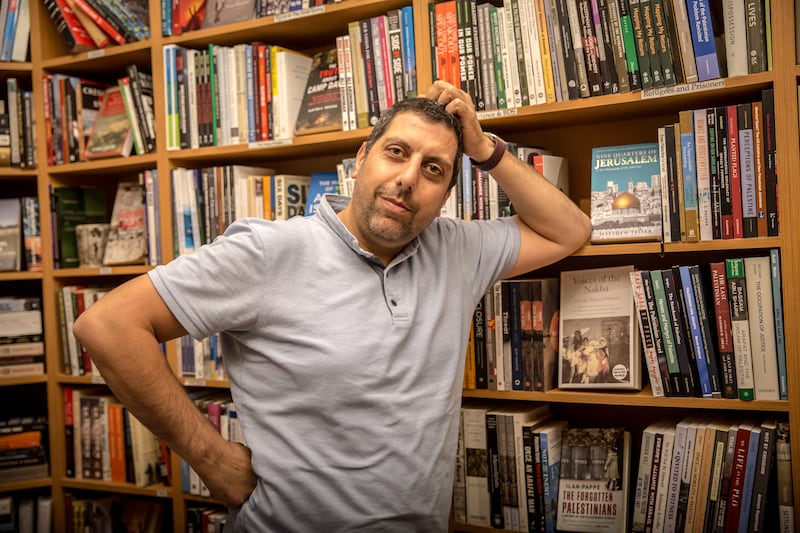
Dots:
pixel 100 21
pixel 736 180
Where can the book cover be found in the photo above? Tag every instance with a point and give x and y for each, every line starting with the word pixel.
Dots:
pixel 290 192
pixel 10 235
pixel 783 473
pixel 761 320
pixel 593 492
pixel 599 345
pixel 110 135
pixel 626 193
pixel 321 183
pixel 221 12
pixel 31 233
pixel 321 109
pixel 127 241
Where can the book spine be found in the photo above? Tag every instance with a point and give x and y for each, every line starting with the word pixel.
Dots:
pixel 680 383
pixel 705 319
pixel 590 48
pixel 762 327
pixel 747 170
pixel 694 333
pixel 617 43
pixel 607 55
pixel 734 168
pixel 409 52
pixel 577 48
pixel 567 50
pixel 651 47
pixel 645 330
pixel 701 29
pixel 740 329
pixel 756 37
pixel 703 174
pixel 777 301
pixel 770 167
pixel 676 322
pixel 640 44
pixel 760 169
pixel 714 173
pixel 689 174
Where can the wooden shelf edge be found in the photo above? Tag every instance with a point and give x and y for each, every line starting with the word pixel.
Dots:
pixel 23 380
pixel 26 484
pixel 123 270
pixel 641 398
pixel 156 491
pixel 20 276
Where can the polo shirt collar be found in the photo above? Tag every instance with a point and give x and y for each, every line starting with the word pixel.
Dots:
pixel 330 205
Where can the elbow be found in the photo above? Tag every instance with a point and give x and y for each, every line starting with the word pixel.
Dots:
pixel 85 328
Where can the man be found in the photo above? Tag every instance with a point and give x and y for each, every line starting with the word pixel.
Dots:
pixel 344 334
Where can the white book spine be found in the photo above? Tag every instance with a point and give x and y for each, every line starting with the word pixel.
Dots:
pixel 704 215
pixel 733 14
pixel 762 327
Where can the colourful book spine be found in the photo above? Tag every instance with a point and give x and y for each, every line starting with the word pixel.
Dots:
pixel 705 52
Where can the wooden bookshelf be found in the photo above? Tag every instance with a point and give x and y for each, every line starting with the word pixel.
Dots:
pixel 569 128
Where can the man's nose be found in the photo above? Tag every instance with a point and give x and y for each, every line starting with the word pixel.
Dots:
pixel 408 177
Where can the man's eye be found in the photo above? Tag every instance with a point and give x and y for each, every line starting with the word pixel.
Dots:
pixel 435 170
pixel 394 150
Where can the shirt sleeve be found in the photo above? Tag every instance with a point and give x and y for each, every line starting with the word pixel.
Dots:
pixel 218 287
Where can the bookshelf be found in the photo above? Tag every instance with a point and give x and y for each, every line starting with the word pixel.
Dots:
pixel 569 128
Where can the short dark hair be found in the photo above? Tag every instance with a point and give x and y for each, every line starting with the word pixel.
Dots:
pixel 432 112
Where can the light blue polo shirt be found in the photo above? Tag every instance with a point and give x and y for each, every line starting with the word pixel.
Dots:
pixel 347 375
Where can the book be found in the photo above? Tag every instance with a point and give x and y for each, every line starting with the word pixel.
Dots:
pixel 702 32
pixel 320 184
pixel 69 28
pixel 593 493
pixel 599 345
pixel 761 319
pixel 221 12
pixel 646 333
pixel 740 327
pixel 111 134
pixel 783 474
pixel 31 233
pixel 72 206
pixel 626 193
pixel 290 192
pixel 127 240
pixel 11 249
pixel 473 416
pixel 321 108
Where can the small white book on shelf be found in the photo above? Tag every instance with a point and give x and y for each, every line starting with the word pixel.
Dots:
pixel 600 342
pixel 127 239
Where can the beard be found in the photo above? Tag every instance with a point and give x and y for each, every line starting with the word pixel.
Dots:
pixel 382 225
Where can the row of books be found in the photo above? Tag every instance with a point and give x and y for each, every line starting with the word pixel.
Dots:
pixel 94 512
pixel 26 513
pixel 95 24
pixel 207 200
pixel 15 30
pixel 190 15
pixel 20 235
pixel 711 330
pixel 206 519
pixel 223 95
pixel 87 119
pixel 527 52
pixel 711 175
pixel 21 336
pixel 258 92
pixel 133 231
pixel 714 330
pixel 23 448
pixel 724 474
pixel 17 138
pixel 521 468
pixel 477 196
pixel 105 442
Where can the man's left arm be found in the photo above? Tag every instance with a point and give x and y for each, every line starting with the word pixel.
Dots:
pixel 551 225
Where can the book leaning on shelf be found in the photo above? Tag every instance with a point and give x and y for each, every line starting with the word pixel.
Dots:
pixel 594 480
pixel 599 340
pixel 111 134
pixel 321 107
pixel 127 238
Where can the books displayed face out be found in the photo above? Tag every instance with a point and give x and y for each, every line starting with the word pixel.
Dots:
pixel 111 134
pixel 626 193
pixel 320 109
pixel 599 346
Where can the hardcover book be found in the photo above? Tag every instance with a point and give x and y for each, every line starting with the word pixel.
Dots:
pixel 111 132
pixel 626 193
pixel 127 241
pixel 321 108
pixel 594 481
pixel 599 345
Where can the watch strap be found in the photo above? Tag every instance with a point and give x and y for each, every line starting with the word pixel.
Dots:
pixel 497 154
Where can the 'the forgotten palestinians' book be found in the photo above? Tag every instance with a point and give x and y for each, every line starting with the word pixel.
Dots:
pixel 626 193
pixel 593 485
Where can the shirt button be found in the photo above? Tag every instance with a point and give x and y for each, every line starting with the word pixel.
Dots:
pixel 394 302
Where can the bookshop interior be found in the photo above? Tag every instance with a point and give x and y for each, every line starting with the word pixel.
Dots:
pixel 644 382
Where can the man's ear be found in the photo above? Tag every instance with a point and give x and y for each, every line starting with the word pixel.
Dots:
pixel 360 155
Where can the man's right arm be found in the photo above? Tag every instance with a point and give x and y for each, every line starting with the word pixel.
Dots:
pixel 122 332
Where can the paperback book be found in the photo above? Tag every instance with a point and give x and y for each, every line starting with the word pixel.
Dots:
pixel 599 346
pixel 593 484
pixel 321 110
pixel 626 193
pixel 127 241
pixel 111 134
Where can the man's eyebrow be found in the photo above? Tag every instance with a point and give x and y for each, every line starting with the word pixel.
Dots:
pixel 402 142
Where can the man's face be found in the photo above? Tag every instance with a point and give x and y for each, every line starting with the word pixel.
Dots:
pixel 402 183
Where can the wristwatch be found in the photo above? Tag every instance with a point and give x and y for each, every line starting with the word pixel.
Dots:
pixel 497 153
